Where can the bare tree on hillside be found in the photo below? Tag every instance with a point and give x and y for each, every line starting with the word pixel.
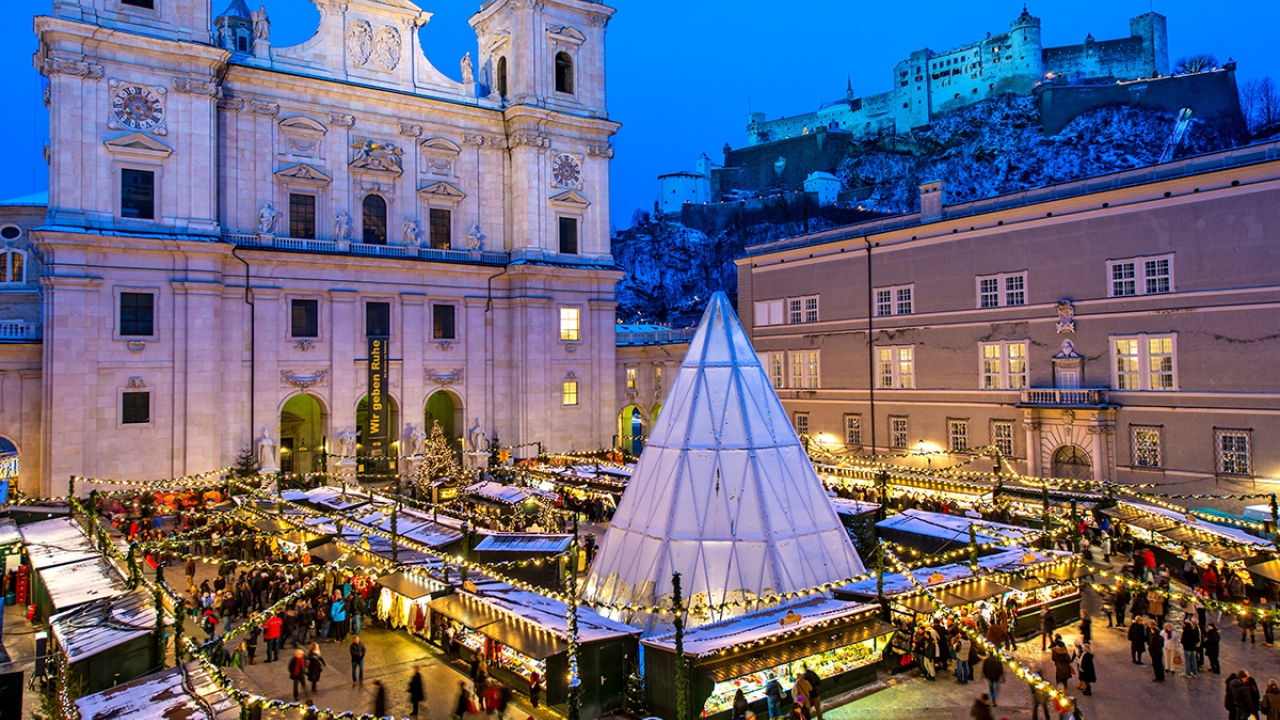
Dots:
pixel 1198 63
pixel 1260 102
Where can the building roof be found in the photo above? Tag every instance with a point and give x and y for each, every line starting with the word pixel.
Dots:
pixel 724 493
pixel 726 634
pixel 9 533
pixel 187 692
pixel 524 543
pixel 72 585
pixel 39 199
pixel 59 541
pixel 98 626
pixel 501 493
pixel 954 528
pixel 237 8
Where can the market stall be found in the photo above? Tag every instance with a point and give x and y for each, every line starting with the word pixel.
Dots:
pixel 545 553
pixel 107 641
pixel 1173 535
pixel 859 520
pixel 930 532
pixel 840 641
pixel 186 692
pixel 403 599
pixel 60 541
pixel 64 587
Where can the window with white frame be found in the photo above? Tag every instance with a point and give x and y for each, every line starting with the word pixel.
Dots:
pixel 852 429
pixel 958 435
pixel 769 312
pixel 804 369
pixel 1234 449
pixel 570 324
pixel 1002 437
pixel 896 367
pixel 1144 362
pixel 802 310
pixel 1004 365
pixel 1140 276
pixel 788 311
pixel 569 392
pixel 773 364
pixel 13 267
pixel 1145 441
pixel 802 423
pixel 1002 290
pixel 898 432
pixel 631 379
pixel 895 300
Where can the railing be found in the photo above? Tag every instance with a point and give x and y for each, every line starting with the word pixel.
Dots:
pixel 655 337
pixel 19 331
pixel 304 245
pixel 330 247
pixel 1064 397
pixel 392 251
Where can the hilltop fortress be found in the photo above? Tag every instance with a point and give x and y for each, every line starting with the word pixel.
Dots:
pixel 928 84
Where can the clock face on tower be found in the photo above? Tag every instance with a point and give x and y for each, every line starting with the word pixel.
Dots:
pixel 137 108
pixel 566 171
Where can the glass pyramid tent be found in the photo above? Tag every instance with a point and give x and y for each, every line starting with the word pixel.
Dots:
pixel 724 493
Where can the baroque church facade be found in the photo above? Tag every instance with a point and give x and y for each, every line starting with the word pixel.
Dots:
pixel 322 248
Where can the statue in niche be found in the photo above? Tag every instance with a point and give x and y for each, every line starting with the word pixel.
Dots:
pixel 417 444
pixel 1066 317
pixel 342 226
pixel 266 218
pixel 346 443
pixel 468 72
pixel 475 238
pixel 412 233
pixel 261 24
pixel 266 453
pixel 479 441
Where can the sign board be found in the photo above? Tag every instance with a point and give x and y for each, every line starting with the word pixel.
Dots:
pixel 377 433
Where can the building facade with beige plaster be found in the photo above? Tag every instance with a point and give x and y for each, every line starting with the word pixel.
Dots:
pixel 1119 328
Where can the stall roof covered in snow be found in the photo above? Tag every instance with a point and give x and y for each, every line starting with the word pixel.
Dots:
pixel 1229 534
pixel 335 499
pixel 954 528
pixel 60 541
pixel 853 507
pixel 187 692
pixel 524 543
pixel 706 639
pixel 413 524
pixel 724 493
pixel 78 583
pixel 9 533
pixel 1013 560
pixel 501 493
pixel 103 624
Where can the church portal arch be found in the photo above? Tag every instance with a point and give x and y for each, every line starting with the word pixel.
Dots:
pixel 632 429
pixel 304 432
pixel 1072 462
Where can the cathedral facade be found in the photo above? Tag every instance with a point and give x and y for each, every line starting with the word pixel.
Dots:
pixel 317 249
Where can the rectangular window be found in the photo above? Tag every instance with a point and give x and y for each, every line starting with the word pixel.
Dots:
pixel 811 309
pixel 852 430
pixel 569 324
pixel 657 378
pixel 1003 365
pixel 145 4
pixel 904 302
pixel 137 314
pixel 443 318
pixel 569 392
pixel 802 423
pixel 1002 437
pixel 377 319
pixel 896 300
pixel 1145 441
pixel 797 370
pixel 137 194
pixel 631 379
pixel 304 318
pixel 1234 449
pixel 1002 290
pixel 802 310
pixel 884 302
pixel 302 216
pixel 569 236
pixel 774 364
pixel 769 312
pixel 1140 276
pixel 440 223
pixel 897 433
pixel 958 435
pixel 1145 362
pixel 135 408
pixel 896 367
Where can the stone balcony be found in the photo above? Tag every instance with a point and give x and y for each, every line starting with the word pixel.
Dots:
pixel 1063 397
pixel 19 331
pixel 655 337
pixel 337 247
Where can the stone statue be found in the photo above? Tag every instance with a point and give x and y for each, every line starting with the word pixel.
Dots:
pixel 346 443
pixel 468 72
pixel 477 437
pixel 261 24
pixel 267 217
pixel 475 238
pixel 342 226
pixel 412 234
pixel 267 453
pixel 1068 349
pixel 417 441
pixel 1066 317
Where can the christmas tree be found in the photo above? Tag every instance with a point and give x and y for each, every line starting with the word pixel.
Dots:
pixel 439 458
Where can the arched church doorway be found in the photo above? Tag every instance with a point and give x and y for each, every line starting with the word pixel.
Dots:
pixel 377 470
pixel 444 408
pixel 303 434
pixel 1071 462
pixel 631 430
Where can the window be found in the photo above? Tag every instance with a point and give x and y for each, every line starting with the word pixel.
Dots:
pixel 769 312
pixel 375 220
pixel 1004 365
pixel 569 236
pixel 1145 441
pixel 137 314
pixel 657 378
pixel 135 408
pixel 502 77
pixel 897 432
pixel 1145 362
pixel 242 43
pixel 440 228
pixel 1234 451
pixel 302 216
pixel 802 310
pixel 146 4
pixel 1002 290
pixel 631 379
pixel 958 435
pixel 442 322
pixel 13 266
pixel 137 194
pixel 804 369
pixel 569 392
pixel 10 232
pixel 305 318
pixel 1141 276
pixel 852 429
pixel 773 365
pixel 564 73
pixel 569 324
pixel 802 423
pixel 896 367
pixel 1002 437
pixel 894 300
pixel 377 319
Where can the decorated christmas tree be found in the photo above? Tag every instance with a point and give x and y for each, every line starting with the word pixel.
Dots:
pixel 439 458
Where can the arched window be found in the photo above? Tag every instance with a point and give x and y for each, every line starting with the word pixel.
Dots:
pixel 564 73
pixel 375 220
pixel 502 77
pixel 13 267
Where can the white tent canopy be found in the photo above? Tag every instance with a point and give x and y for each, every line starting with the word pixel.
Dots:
pixel 724 493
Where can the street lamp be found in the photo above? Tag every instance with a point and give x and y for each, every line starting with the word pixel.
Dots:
pixel 928 458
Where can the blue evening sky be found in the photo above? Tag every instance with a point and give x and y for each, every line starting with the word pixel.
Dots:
pixel 683 74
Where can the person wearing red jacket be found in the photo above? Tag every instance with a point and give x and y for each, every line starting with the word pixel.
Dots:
pixel 298 671
pixel 271 631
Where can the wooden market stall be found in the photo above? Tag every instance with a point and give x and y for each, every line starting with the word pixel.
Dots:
pixel 186 692
pixel 63 587
pixel 549 549
pixel 931 532
pixel 107 642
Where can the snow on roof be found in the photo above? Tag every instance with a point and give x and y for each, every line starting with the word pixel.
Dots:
pixel 853 507
pixel 501 493
pixel 723 493
pixel 953 527
pixel 336 499
pixel 82 582
pixel 413 524
pixel 180 693
pixel 9 532
pixel 98 626
pixel 550 614
pixel 1228 533
pixel 707 639
pixel 1008 561
pixel 57 542
pixel 525 543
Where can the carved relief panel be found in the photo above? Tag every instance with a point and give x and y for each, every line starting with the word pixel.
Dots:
pixel 302 139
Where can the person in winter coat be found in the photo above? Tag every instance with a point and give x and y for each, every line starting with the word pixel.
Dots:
pixel 535 688
pixel 416 692
pixel 338 613
pixel 1140 605
pixel 800 693
pixel 315 665
pixel 993 672
pixel 772 697
pixel 298 671
pixel 1156 647
pixel 271 631
pixel 981 709
pixel 463 706
pixel 379 699
pixel 1061 666
pixel 1046 627
pixel 357 659
pixel 1122 599
pixel 1211 642
pixel 1088 674
pixel 1086 627
pixel 1247 620
pixel 815 697
pixel 1190 642
pixel 1255 695
pixel 740 705
pixel 1137 639
pixel 1271 701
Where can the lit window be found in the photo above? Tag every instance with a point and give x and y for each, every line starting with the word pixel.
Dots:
pixel 1156 353
pixel 13 267
pixel 895 300
pixel 852 429
pixel 657 378
pixel 1004 365
pixel 1160 363
pixel 1002 290
pixel 896 367
pixel 802 423
pixel 1145 440
pixel 569 392
pixel 1140 276
pixel 958 435
pixel 775 370
pixel 898 433
pixel 631 378
pixel 1002 437
pixel 1234 450
pixel 569 324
